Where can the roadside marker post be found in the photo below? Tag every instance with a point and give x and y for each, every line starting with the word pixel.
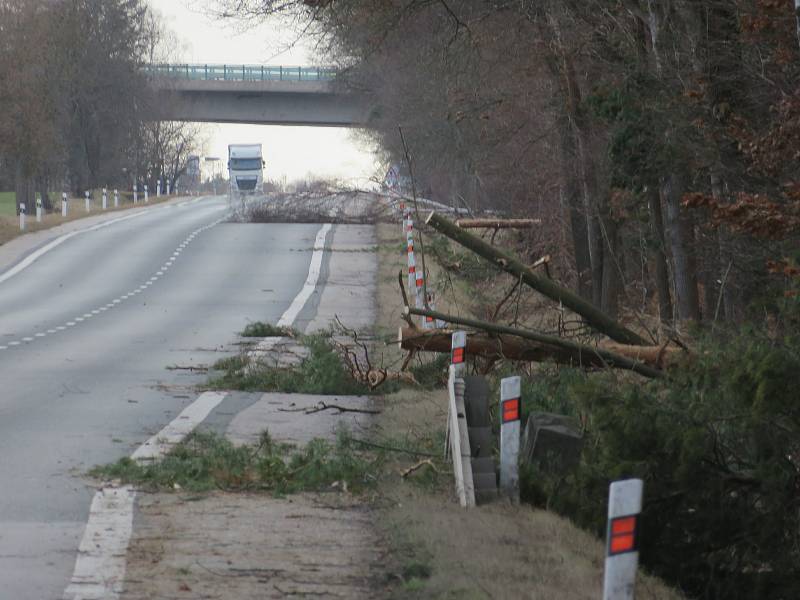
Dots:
pixel 412 272
pixel 168 184
pixel 430 322
pixel 510 416
pixel 158 189
pixel 458 352
pixel 145 193
pixel 22 216
pixel 457 439
pixel 105 198
pixel 622 539
pixel 116 198
pixel 420 283
pixel 38 210
pixel 135 194
pixel 88 201
pixel 64 202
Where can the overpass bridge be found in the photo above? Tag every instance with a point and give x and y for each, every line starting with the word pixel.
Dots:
pixel 255 94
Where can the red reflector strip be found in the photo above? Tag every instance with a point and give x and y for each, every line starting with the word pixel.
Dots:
pixel 622 535
pixel 429 319
pixel 458 356
pixel 419 282
pixel 511 410
pixel 412 269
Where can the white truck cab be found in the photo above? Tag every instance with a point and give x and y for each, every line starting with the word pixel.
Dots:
pixel 246 168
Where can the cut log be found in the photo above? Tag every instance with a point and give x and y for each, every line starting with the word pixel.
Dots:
pixel 497 223
pixel 518 344
pixel 593 316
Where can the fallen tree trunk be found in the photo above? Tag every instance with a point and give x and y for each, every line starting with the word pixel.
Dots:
pixel 593 316
pixel 518 344
pixel 497 223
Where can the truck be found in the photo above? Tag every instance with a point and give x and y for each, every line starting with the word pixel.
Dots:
pixel 245 169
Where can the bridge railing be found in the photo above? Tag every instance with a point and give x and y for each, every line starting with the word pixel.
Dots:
pixel 203 72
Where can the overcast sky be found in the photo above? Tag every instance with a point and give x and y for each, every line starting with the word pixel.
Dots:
pixel 291 152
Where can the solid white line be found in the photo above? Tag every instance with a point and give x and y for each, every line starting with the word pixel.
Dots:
pixel 100 566
pixel 311 281
pixel 34 256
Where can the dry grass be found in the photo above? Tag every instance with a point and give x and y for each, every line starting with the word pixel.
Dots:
pixel 493 551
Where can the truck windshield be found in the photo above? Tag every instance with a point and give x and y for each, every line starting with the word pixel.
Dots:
pixel 245 164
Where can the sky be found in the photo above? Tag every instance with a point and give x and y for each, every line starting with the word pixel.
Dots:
pixel 291 153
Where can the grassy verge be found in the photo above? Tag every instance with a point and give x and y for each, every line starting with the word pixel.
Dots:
pixel 206 461
pixel 8 204
pixel 494 551
pixel 9 222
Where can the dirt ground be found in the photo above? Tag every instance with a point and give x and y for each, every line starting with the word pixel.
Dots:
pixel 240 546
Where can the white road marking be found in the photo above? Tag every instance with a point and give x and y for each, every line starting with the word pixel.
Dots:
pixel 100 566
pixel 310 285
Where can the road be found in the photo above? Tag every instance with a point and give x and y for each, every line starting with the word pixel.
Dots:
pixel 87 332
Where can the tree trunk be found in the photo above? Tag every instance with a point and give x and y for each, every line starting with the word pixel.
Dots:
pixel 612 276
pixel 510 264
pixel 679 229
pixel 580 241
pixel 659 257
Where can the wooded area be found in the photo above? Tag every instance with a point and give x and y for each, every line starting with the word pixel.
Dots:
pixel 647 136
pixel 76 111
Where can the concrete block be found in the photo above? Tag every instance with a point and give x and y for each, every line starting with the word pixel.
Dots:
pixel 481 441
pixel 551 441
pixel 476 401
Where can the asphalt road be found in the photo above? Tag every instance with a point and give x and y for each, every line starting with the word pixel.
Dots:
pixel 87 332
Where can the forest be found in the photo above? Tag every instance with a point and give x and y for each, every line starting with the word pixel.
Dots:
pixel 76 111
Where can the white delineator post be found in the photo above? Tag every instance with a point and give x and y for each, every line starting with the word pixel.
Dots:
pixel 622 539
pixel 116 198
pixel 457 434
pixel 38 210
pixel 135 194
pixel 158 189
pixel 21 216
pixel 510 415
pixel 145 193
pixel 88 202
pixel 420 283
pixel 430 322
pixel 168 185
pixel 105 198
pixel 64 204
pixel 412 272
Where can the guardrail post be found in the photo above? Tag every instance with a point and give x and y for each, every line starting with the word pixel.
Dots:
pixel 64 203
pixel 622 539
pixel 105 198
pixel 22 216
pixel 38 210
pixel 510 415
pixel 88 201
pixel 116 198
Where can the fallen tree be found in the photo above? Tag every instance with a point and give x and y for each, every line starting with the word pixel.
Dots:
pixel 497 223
pixel 499 341
pixel 590 313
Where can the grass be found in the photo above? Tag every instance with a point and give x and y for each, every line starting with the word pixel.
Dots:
pixel 321 373
pixel 8 204
pixel 207 461
pixel 261 329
